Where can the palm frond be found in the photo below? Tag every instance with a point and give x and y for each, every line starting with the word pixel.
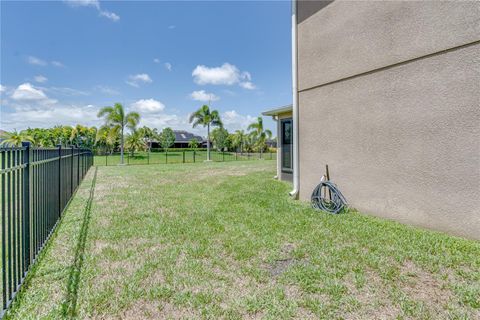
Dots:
pixel 132 120
pixel 104 111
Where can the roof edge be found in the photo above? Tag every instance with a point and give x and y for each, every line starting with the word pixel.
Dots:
pixel 278 110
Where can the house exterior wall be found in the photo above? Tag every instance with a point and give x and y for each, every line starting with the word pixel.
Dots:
pixel 389 99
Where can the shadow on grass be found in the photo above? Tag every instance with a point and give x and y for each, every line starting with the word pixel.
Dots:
pixel 69 306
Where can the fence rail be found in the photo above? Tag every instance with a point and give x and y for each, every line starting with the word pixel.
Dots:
pixel 36 186
pixel 188 156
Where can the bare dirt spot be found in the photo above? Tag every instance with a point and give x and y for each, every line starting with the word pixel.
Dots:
pixel 423 286
pixel 144 309
pixel 99 246
pixel 286 261
pixel 373 299
pixel 280 266
pixel 212 172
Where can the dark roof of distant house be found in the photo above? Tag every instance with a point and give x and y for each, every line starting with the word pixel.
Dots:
pixel 184 136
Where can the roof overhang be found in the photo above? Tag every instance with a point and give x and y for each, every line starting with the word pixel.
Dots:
pixel 277 111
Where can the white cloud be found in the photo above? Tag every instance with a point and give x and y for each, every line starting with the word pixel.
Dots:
pixel 48 117
pixel 163 120
pixel 246 76
pixel 201 95
pixel 152 115
pixel 229 92
pixel 40 79
pixel 247 85
pixel 110 15
pixel 95 4
pixel 227 74
pixel 40 62
pixel 57 64
pixel 232 120
pixel 2 88
pixel 156 60
pixel 168 66
pixel 83 3
pixel 148 106
pixel 137 79
pixel 107 90
pixel 26 91
pixel 172 27
pixel 28 97
pixel 67 91
pixel 36 61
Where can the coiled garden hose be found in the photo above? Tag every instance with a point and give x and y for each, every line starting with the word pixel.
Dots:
pixel 328 198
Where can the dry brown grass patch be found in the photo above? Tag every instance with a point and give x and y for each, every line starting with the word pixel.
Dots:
pixel 423 286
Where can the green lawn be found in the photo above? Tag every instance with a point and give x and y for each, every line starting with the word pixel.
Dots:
pixel 223 240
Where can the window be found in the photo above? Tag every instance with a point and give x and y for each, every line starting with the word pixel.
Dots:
pixel 287 145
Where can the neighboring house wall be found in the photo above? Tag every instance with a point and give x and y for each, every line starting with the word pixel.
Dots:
pixel 282 175
pixel 389 99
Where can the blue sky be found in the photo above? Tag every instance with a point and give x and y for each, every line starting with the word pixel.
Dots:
pixel 61 61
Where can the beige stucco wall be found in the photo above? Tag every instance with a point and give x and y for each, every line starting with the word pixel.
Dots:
pixel 347 38
pixel 396 118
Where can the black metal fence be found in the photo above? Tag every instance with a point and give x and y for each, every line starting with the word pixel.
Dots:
pixel 177 156
pixel 36 186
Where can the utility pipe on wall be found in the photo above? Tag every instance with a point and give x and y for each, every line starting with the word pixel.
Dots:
pixel 296 178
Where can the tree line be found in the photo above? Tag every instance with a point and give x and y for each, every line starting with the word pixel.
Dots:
pixel 112 135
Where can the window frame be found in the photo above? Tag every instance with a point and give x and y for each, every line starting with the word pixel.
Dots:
pixel 282 145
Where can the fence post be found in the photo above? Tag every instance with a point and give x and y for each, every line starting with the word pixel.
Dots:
pixel 166 158
pixel 193 156
pixel 26 207
pixel 148 157
pixel 184 156
pixel 59 179
pixel 71 173
pixel 223 156
pixel 78 166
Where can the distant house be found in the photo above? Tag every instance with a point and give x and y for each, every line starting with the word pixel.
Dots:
pixel 182 138
pixel 271 143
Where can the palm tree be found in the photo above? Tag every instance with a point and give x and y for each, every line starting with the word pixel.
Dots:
pixel 107 137
pixel 148 135
pixel 134 142
pixel 115 117
pixel 206 118
pixel 40 137
pixel 193 144
pixel 260 134
pixel 77 134
pixel 239 140
pixel 14 139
